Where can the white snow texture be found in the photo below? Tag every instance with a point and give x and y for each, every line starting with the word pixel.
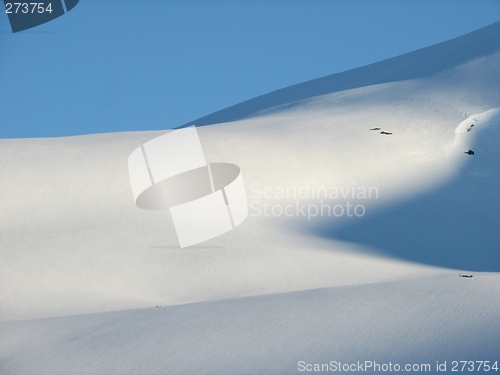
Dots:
pixel 82 268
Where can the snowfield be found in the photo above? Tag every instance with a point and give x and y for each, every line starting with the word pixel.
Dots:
pixel 91 284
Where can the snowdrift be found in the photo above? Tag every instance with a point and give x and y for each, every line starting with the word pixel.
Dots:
pixel 424 63
pixel 284 286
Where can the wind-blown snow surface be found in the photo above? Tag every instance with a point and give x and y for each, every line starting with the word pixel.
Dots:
pixel 423 63
pixel 83 267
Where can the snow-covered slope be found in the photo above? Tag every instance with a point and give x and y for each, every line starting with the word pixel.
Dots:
pixel 73 242
pixel 424 63
pixel 417 322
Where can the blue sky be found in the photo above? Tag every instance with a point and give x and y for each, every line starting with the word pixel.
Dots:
pixel 125 65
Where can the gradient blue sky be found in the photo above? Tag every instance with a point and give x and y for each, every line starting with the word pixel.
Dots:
pixel 124 65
